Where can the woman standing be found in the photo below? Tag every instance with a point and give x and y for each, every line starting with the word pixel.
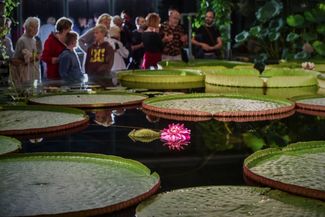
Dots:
pixel 87 39
pixel 53 47
pixel 152 42
pixel 25 62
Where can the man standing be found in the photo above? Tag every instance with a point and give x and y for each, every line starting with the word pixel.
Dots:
pixel 207 39
pixel 174 37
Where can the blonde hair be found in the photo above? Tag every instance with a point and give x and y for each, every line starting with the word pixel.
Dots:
pixel 115 31
pixel 102 17
pixel 153 20
pixel 102 28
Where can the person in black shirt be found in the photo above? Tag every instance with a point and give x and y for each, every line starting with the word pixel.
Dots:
pixel 137 50
pixel 152 42
pixel 207 39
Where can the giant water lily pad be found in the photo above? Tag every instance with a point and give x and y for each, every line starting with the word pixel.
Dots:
pixel 290 77
pixel 316 102
pixel 22 120
pixel 229 201
pixel 162 79
pixel 298 168
pixel 217 105
pixel 282 92
pixel 202 63
pixel 80 100
pixel 71 184
pixel 8 145
pixel 272 77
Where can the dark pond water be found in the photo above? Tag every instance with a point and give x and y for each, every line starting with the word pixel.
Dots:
pixel 214 155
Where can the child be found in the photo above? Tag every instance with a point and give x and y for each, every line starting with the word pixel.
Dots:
pixel 69 64
pixel 100 56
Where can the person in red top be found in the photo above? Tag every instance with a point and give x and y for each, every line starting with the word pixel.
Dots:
pixel 53 47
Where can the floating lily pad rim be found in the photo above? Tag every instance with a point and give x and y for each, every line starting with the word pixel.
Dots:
pixel 13 141
pixel 263 155
pixel 297 98
pixel 83 93
pixel 142 73
pixel 314 107
pixel 286 105
pixel 213 95
pixel 253 72
pixel 40 131
pixel 202 62
pixel 177 117
pixel 131 164
pixel 278 195
pixel 49 108
pixel 76 156
pixel 165 86
pixel 131 102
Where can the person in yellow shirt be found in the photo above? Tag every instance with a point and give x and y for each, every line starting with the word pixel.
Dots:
pixel 100 56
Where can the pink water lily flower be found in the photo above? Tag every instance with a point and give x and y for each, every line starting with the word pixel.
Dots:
pixel 175 133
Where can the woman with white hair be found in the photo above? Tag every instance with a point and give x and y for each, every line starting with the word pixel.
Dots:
pixel 120 52
pixel 87 39
pixel 25 62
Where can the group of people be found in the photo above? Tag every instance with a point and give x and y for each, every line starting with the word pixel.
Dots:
pixel 109 46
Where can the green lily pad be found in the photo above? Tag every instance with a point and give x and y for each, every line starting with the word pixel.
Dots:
pixel 209 105
pixel 197 63
pixel 81 100
pixel 162 79
pixel 298 168
pixel 72 184
pixel 22 120
pixel 316 102
pixel 229 201
pixel 271 77
pixel 9 145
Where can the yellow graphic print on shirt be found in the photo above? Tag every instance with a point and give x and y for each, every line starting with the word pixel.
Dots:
pixel 97 55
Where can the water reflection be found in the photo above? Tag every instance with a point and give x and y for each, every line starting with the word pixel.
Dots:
pixel 104 118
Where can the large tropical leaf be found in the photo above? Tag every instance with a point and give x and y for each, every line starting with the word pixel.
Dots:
pixel 296 21
pixel 276 24
pixel 242 37
pixel 302 55
pixel 310 16
pixel 309 36
pixel 255 31
pixel 292 37
pixel 321 29
pixel 269 10
pixel 286 54
pixel 319 47
pixel 273 35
